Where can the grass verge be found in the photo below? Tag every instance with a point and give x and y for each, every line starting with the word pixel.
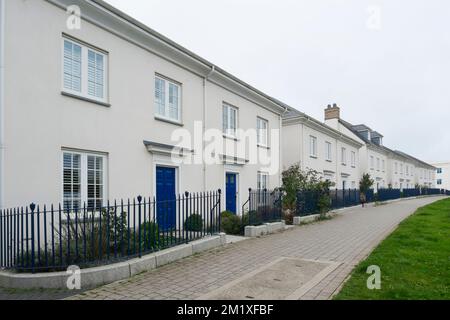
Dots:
pixel 414 260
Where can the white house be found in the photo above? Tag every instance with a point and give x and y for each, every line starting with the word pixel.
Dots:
pixel 93 111
pixel 316 146
pixel 373 157
pixel 442 175
pixel 387 167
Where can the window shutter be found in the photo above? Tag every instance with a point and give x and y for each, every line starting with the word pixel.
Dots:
pixel 72 66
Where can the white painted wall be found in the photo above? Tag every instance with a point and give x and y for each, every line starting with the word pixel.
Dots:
pixel 444 175
pixel 296 150
pixel 41 121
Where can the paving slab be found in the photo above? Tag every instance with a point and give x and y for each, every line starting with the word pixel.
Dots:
pixel 346 240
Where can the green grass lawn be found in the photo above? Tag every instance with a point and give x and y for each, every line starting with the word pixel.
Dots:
pixel 414 260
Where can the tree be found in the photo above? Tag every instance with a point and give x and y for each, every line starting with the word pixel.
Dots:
pixel 365 184
pixel 296 180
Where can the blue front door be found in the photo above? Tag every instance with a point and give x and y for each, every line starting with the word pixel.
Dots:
pixel 165 198
pixel 231 189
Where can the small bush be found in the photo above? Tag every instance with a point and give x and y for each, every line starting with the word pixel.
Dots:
pixel 150 236
pixel 231 223
pixel 194 223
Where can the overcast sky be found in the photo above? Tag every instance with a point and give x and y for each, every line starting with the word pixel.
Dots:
pixel 385 63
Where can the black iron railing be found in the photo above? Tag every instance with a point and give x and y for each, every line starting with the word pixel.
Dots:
pixel 41 238
pixel 264 206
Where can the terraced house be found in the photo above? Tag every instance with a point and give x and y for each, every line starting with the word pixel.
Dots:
pixel 317 146
pixel 90 101
pixel 107 108
pixel 389 168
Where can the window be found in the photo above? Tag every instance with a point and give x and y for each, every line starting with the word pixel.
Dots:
pixel 372 162
pixel 407 170
pixel 378 164
pixel 353 185
pixel 401 168
pixel 263 179
pixel 383 165
pixel 396 167
pixel 439 170
pixel 344 156
pixel 328 153
pixel 84 71
pixel 353 158
pixel 313 146
pixel 262 128
pixel 83 180
pixel 229 120
pixel 72 181
pixel 439 182
pixel 167 99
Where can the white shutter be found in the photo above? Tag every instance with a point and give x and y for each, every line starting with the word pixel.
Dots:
pixel 72 66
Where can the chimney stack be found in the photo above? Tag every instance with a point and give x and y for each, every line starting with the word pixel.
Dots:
pixel 332 112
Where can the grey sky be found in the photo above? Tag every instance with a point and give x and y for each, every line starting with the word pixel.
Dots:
pixel 308 54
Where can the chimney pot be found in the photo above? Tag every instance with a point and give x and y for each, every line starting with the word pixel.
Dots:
pixel 332 112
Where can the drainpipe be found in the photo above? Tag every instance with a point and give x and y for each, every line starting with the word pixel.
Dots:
pixel 205 109
pixel 2 97
pixel 280 147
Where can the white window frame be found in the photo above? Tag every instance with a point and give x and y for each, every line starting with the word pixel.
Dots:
pixel 84 93
pixel 262 182
pixel 167 83
pixel 372 162
pixel 344 156
pixel 353 159
pixel 262 133
pixel 328 151
pixel 313 146
pixel 383 165
pixel 84 175
pixel 378 164
pixel 228 131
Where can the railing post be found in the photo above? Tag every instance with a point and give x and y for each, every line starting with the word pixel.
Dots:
pixel 32 208
pixel 220 211
pixel 139 199
pixel 249 206
pixel 186 232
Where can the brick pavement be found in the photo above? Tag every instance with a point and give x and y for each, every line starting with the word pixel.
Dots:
pixel 347 238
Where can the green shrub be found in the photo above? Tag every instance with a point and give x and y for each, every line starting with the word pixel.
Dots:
pixel 150 238
pixel 194 223
pixel 231 223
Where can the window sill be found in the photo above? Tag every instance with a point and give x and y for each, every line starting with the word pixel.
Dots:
pixel 344 164
pixel 314 157
pixel 263 147
pixel 83 98
pixel 225 136
pixel 174 122
pixel 330 161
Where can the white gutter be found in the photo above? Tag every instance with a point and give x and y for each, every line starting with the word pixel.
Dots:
pixel 2 97
pixel 205 110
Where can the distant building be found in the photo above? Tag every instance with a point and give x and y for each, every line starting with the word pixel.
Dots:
pixel 389 168
pixel 442 175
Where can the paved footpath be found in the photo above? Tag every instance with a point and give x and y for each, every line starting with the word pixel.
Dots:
pixel 347 238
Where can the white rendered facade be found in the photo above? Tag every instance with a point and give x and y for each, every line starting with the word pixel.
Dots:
pixel 135 86
pixel 316 146
pixel 442 175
